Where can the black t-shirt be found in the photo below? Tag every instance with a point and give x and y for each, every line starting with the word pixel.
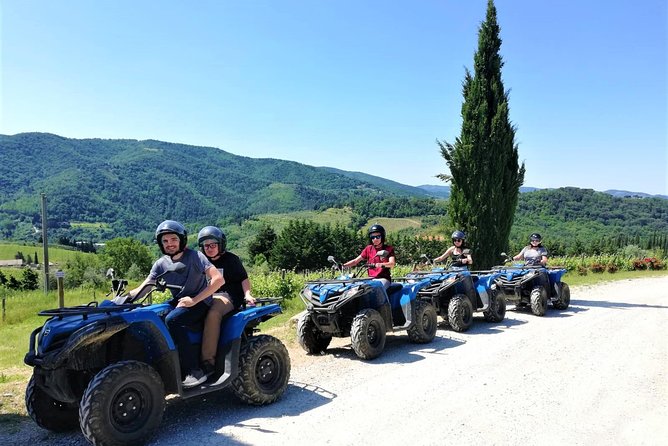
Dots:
pixel 234 273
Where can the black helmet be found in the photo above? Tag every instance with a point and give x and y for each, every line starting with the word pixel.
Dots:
pixel 535 236
pixel 212 233
pixel 458 235
pixel 171 227
pixel 377 228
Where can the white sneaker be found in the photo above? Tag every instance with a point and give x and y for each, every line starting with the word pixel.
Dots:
pixel 194 378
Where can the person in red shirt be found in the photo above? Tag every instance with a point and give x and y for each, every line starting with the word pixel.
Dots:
pixel 378 267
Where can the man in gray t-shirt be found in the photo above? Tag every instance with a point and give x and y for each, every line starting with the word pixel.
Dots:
pixel 199 279
pixel 534 253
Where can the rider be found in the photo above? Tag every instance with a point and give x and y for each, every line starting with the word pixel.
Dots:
pixel 231 296
pixel 534 253
pixel 199 280
pixel 460 255
pixel 377 267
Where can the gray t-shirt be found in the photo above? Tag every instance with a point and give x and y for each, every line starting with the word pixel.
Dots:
pixel 192 279
pixel 532 256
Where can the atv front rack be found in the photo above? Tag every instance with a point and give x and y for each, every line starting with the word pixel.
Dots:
pixel 85 310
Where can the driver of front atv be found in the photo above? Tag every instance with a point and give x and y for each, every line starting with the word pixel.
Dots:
pixel 198 281
pixel 378 267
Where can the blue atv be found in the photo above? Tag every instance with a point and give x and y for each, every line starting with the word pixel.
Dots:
pixel 362 309
pixel 457 293
pixel 107 368
pixel 533 285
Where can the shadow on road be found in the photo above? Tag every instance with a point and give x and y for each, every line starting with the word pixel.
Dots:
pixel 608 304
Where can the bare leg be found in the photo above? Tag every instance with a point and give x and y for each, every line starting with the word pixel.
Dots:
pixel 222 304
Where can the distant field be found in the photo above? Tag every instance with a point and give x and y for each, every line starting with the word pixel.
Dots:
pixel 332 216
pixel 396 224
pixel 82 224
pixel 56 255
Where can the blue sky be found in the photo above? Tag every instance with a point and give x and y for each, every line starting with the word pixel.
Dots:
pixel 357 85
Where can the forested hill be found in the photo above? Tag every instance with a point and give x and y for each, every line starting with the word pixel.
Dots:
pixel 129 184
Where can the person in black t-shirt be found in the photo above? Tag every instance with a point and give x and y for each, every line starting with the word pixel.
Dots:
pixel 229 297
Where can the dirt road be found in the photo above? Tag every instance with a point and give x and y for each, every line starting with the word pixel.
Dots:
pixel 595 374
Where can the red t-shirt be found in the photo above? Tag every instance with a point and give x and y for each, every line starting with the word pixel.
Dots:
pixel 369 254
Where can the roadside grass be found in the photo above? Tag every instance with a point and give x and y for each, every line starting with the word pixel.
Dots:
pixel 21 319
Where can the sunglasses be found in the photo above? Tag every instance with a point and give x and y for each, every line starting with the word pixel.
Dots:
pixel 457 240
pixel 375 237
pixel 209 245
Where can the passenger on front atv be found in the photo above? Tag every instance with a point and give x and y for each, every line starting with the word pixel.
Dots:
pixel 232 296
pixel 199 280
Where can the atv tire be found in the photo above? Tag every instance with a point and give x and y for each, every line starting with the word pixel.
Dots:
pixel 264 370
pixel 460 313
pixel 312 340
pixel 538 301
pixel 48 412
pixel 564 299
pixel 423 328
pixel 496 311
pixel 367 334
pixel 123 404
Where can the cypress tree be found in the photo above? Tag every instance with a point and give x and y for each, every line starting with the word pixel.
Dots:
pixel 485 174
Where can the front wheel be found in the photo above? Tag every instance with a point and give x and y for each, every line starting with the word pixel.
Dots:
pixel 423 328
pixel 264 370
pixel 123 404
pixel 460 312
pixel 367 334
pixel 564 299
pixel 538 301
pixel 496 311
pixel 48 412
pixel 312 340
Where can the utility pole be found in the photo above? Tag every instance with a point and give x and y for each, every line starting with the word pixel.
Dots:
pixel 45 245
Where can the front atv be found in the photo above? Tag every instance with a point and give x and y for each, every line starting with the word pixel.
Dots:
pixel 533 286
pixel 107 368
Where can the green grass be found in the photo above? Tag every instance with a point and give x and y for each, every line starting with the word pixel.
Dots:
pixel 574 279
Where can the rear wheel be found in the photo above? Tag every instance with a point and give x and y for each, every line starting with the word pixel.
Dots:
pixel 538 301
pixel 564 299
pixel 264 370
pixel 48 412
pixel 312 340
pixel 460 312
pixel 123 404
pixel 423 328
pixel 367 334
pixel 497 306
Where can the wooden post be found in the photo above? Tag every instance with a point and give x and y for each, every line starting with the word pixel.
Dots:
pixel 60 275
pixel 3 308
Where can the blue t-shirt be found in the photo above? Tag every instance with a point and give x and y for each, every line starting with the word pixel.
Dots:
pixel 192 279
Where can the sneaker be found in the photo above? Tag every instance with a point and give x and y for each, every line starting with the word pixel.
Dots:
pixel 194 378
pixel 208 368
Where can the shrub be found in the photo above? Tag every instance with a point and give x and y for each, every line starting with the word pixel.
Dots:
pixel 597 267
pixel 612 268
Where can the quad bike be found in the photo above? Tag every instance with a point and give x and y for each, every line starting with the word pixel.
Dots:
pixel 107 368
pixel 457 293
pixel 362 309
pixel 533 285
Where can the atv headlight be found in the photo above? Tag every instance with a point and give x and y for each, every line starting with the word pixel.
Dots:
pixel 450 279
pixel 351 292
pixel 307 293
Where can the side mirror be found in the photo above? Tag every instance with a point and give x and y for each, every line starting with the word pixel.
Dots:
pixel 382 253
pixel 424 256
pixel 330 259
pixel 503 254
pixel 466 251
pixel 177 267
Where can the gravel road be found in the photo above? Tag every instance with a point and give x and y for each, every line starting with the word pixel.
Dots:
pixel 596 373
